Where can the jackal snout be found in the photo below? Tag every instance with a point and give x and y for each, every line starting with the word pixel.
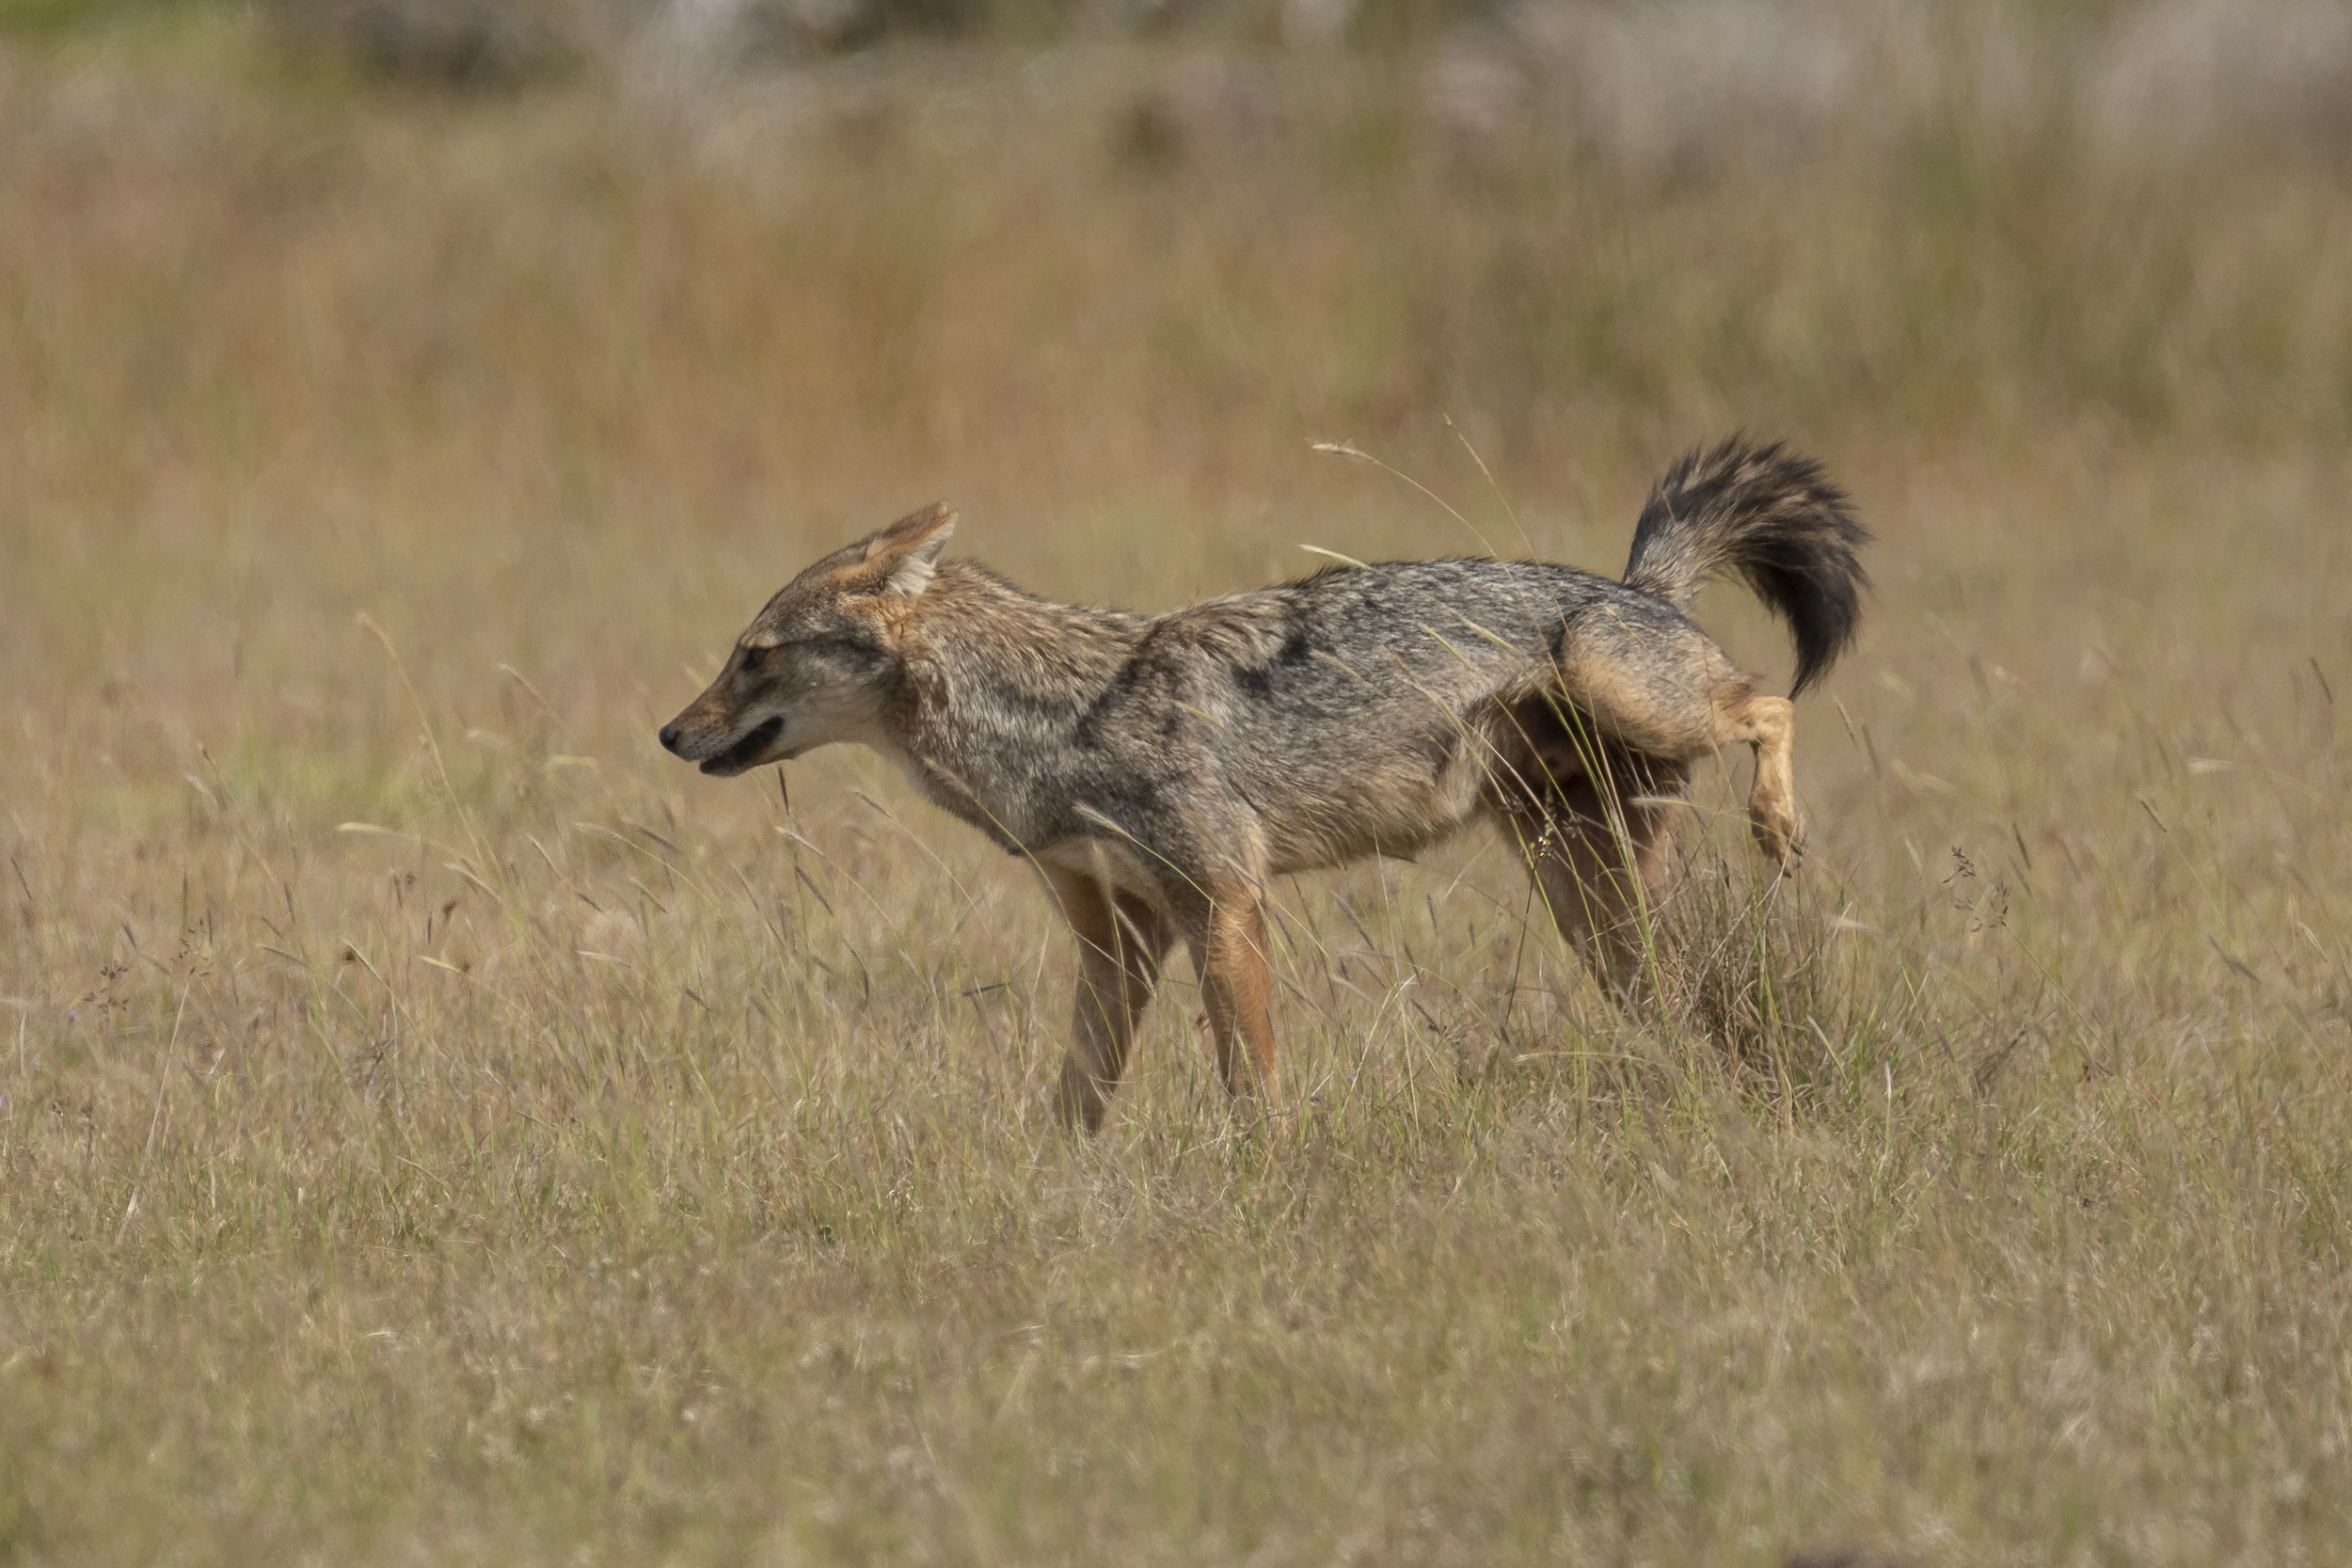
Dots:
pixel 774 701
pixel 713 747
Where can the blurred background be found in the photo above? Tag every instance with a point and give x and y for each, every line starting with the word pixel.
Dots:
pixel 539 328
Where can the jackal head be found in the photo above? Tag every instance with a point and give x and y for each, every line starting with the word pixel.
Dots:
pixel 820 664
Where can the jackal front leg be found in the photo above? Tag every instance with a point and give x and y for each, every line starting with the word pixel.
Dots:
pixel 1121 941
pixel 1237 988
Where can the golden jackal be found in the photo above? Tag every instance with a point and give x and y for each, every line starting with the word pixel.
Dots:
pixel 1156 770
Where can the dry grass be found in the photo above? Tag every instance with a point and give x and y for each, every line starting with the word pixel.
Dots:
pixel 587 1160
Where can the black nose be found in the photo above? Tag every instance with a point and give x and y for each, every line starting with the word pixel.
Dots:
pixel 669 738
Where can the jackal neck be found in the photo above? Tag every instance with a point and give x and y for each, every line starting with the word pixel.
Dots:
pixel 998 683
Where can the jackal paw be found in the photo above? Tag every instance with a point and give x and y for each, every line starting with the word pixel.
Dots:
pixel 1782 839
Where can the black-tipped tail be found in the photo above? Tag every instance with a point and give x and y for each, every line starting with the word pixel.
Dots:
pixel 1770 517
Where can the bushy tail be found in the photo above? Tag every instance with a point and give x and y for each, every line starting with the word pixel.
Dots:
pixel 1775 519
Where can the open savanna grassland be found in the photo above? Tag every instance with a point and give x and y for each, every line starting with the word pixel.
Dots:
pixel 434 1126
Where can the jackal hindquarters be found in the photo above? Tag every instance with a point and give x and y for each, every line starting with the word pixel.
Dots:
pixel 1156 770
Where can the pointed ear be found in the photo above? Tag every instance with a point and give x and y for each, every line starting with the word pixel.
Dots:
pixel 908 550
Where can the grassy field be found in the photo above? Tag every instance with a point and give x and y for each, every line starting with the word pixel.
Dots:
pixel 436 1127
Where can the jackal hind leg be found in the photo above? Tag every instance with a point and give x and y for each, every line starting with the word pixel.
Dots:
pixel 1676 705
pixel 1226 933
pixel 1597 869
pixel 1769 726
pixel 1121 940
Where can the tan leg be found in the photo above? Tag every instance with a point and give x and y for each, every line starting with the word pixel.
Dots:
pixel 1238 990
pixel 1120 942
pixel 1769 724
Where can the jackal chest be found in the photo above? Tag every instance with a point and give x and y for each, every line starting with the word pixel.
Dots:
pixel 1017 810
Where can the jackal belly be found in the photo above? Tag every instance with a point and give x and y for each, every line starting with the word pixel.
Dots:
pixel 1115 864
pixel 1368 804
